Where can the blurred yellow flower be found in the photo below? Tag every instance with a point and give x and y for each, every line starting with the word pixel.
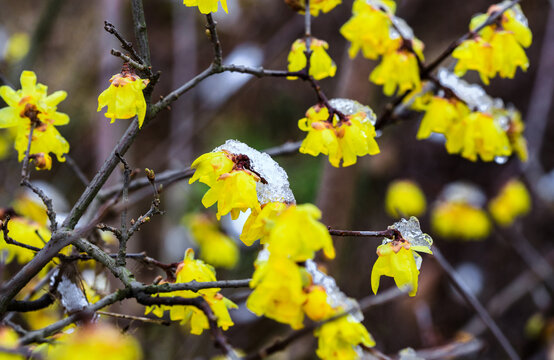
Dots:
pixel 474 54
pixel 28 207
pixel 216 248
pixel 95 341
pixel 297 234
pixel 317 306
pixel 258 224
pixel 32 106
pixel 196 270
pixel 515 135
pixel 207 6
pixel 512 201
pixel 278 294
pixel 341 339
pixel 324 6
pixel 404 198
pixel 25 231
pixel 460 220
pixel 124 98
pixel 321 64
pixel 397 259
pixel 17 47
pixel 9 340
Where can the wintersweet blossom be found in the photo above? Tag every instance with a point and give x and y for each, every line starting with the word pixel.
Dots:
pixel 404 198
pixel 277 294
pixel 440 115
pixel 124 98
pixel 339 139
pixel 32 107
pixel 9 340
pixel 515 134
pixel 297 234
pixel 25 231
pixel 317 305
pixel 512 201
pixel 216 248
pixel 258 224
pixel 452 219
pixel 210 166
pixel 340 339
pixel 399 69
pixel 95 341
pixel 207 6
pixel 196 270
pixel 321 64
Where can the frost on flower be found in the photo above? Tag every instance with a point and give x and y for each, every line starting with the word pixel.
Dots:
pixel 398 258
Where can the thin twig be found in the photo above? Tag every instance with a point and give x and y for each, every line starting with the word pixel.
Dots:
pixel 75 168
pixel 458 283
pixel 214 38
pixel 126 45
pixel 46 201
pixel 128 60
pixel 135 318
pixel 125 197
pixel 25 167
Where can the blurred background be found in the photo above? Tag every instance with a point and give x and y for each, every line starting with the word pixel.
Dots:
pixel 71 51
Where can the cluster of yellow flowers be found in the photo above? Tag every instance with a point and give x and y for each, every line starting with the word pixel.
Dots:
pixel 27 225
pixel 376 31
pixel 399 258
pixel 321 64
pixel 497 48
pixel 474 129
pixel 124 97
pixel 339 138
pixel 216 248
pixel 191 269
pixel 31 106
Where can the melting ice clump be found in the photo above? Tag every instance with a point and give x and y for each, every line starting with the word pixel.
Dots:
pixel 277 187
pixel 351 107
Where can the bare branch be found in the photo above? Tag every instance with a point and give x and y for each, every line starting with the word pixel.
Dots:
pixel 218 53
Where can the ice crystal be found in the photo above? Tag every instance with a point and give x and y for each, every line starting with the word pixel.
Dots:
pixel 351 107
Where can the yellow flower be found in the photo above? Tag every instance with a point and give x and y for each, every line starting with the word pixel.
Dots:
pixel 478 134
pixel 31 209
pixel 196 270
pixel 323 6
pixel 96 341
pixel 278 294
pixel 341 140
pixel 474 54
pixel 404 198
pixel 297 234
pixel 356 138
pixel 507 55
pixel 439 116
pixel 460 220
pixel 9 340
pixel 340 339
pixel 317 306
pixel 399 69
pixel 216 248
pixel 207 6
pixel 234 192
pixel 209 167
pixel 321 64
pixel 24 231
pixel 17 47
pixel 124 98
pixel 397 260
pixel 515 135
pixel 369 30
pixel 32 105
pixel 258 224
pixel 512 201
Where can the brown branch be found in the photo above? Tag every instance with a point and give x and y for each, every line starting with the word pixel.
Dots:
pixel 75 168
pixel 214 38
pixel 46 201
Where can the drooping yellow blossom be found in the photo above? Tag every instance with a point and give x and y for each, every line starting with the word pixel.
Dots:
pixel 399 70
pixel 31 106
pixel 216 248
pixel 404 198
pixel 321 64
pixel 277 293
pixel 512 201
pixel 17 47
pixel 460 220
pixel 258 224
pixel 96 341
pixel 439 116
pixel 397 259
pixel 316 6
pixel 497 48
pixel 23 230
pixel 209 167
pixel 207 6
pixel 515 135
pixel 9 340
pixel 124 98
pixel 317 306
pixel 368 29
pixel 341 339
pixel 196 270
pixel 478 134
pixel 234 192
pixel 339 139
pixel 297 234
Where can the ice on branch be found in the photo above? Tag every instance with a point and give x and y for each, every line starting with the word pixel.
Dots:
pixel 351 107
pixel 276 186
pixel 473 95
